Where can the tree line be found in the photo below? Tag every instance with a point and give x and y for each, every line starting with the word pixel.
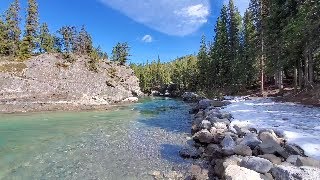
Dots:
pixel 36 38
pixel 275 42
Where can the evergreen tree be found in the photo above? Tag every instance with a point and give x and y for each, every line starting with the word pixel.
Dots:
pixel 203 63
pixel 120 53
pixel 13 31
pixel 2 37
pixel 30 39
pixel 84 42
pixel 248 62
pixel 46 40
pixel 234 25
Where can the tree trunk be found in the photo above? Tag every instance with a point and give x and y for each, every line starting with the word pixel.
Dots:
pixel 295 79
pixel 306 69
pixel 280 80
pixel 300 75
pixel 262 63
pixel 311 62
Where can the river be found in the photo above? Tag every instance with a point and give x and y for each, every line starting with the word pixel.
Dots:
pixel 127 143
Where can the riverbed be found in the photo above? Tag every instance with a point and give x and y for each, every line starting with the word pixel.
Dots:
pixel 299 123
pixel 129 142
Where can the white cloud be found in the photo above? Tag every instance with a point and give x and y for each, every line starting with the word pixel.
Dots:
pixel 173 17
pixel 147 38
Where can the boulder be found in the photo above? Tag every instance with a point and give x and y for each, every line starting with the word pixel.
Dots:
pixel 189 152
pixel 196 172
pixel 257 164
pixel 219 103
pixel 228 145
pixel 234 172
pixel 293 173
pixel 131 99
pixel 204 103
pixel 307 161
pixel 227 116
pixel 293 149
pixel 292 159
pixel 243 150
pixel 269 137
pixel 220 125
pixel 205 124
pixel 190 96
pixel 213 115
pixel 266 176
pixel 250 140
pixel 241 131
pixel 272 158
pixel 218 134
pixel 222 164
pixel 214 150
pixel 203 136
pixel 272 147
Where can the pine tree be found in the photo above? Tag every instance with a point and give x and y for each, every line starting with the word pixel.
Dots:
pixel 203 63
pixel 221 49
pixel 120 53
pixel 30 38
pixel 234 24
pixel 84 42
pixel 46 40
pixel 249 52
pixel 13 31
pixel 2 37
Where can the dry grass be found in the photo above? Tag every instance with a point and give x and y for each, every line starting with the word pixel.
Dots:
pixel 12 67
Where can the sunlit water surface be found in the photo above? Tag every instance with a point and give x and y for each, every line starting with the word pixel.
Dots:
pixel 127 143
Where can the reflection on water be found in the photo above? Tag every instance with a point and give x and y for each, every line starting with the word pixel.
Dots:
pixel 122 144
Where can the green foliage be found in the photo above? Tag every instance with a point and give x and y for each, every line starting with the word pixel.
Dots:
pixel 183 72
pixel 120 53
pixel 46 40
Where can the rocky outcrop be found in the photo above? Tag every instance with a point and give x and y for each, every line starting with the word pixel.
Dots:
pixel 234 152
pixel 49 82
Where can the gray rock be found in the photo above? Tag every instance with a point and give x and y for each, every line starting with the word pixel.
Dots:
pixel 205 124
pixel 293 149
pixel 234 172
pixel 214 150
pixel 220 125
pixel 307 161
pixel 203 136
pixel 228 145
pixel 190 96
pixel 198 173
pixel 251 140
pixel 281 172
pixel 241 131
pixel 272 147
pixel 190 152
pixel 222 164
pixel 266 137
pixel 220 103
pixel 243 150
pixel 257 164
pixel 204 103
pixel 227 116
pixel 266 176
pixel 272 158
pixel 292 159
pixel 213 116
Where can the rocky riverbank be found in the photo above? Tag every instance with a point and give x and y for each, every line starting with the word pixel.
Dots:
pixel 50 82
pixel 236 153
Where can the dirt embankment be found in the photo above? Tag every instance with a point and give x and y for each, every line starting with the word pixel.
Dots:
pixel 49 82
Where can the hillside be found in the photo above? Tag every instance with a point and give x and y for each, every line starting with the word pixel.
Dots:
pixel 49 82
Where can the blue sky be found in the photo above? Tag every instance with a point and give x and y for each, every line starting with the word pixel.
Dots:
pixel 168 28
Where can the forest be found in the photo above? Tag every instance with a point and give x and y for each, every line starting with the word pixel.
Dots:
pixel 35 39
pixel 276 43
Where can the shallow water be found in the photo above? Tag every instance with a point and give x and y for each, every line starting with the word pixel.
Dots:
pixel 126 143
pixel 300 124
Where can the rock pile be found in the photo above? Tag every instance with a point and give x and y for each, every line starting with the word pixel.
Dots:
pixel 238 153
